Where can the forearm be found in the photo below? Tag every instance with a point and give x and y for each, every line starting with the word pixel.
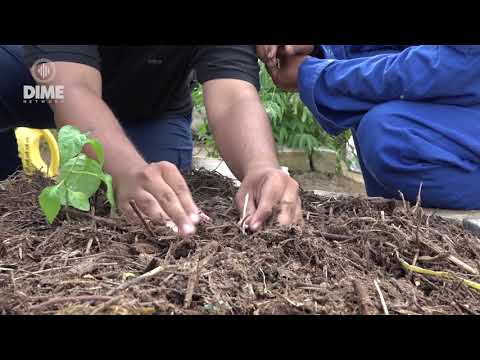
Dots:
pixel 85 110
pixel 243 135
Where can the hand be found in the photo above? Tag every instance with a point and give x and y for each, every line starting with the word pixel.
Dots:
pixel 160 193
pixel 269 53
pixel 270 188
pixel 286 75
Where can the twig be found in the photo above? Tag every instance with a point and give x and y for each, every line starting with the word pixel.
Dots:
pixel 70 299
pixel 432 258
pixel 403 200
pixel 140 216
pixel 265 290
pixel 414 262
pixel 382 299
pixel 362 296
pixel 419 197
pixel 440 274
pixel 138 279
pixel 451 258
pixel 245 205
pixel 336 237
pixel 106 304
pixel 89 245
pixel 192 283
pixel 44 271
pixel 6 269
pixel 294 304
pixel 244 214
pixel 12 278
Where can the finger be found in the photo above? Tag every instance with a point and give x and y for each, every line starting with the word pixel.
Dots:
pixel 177 183
pixel 148 207
pixel 298 219
pixel 262 52
pixel 289 204
pixel 270 195
pixel 168 200
pixel 272 51
pixel 274 74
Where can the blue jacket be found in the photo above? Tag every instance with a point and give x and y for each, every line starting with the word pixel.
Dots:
pixel 348 80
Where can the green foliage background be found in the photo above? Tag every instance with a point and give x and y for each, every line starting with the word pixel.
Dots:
pixel 292 123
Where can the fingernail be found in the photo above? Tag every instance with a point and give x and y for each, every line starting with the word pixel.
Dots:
pixel 188 229
pixel 254 227
pixel 195 218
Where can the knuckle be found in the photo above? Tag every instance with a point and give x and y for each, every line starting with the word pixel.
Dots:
pixel 166 197
pixel 147 174
pixel 145 203
pixel 182 188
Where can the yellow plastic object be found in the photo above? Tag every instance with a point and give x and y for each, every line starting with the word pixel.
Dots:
pixel 29 141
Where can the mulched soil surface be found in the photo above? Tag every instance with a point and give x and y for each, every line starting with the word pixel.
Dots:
pixel 85 264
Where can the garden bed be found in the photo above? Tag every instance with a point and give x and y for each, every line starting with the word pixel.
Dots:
pixel 351 253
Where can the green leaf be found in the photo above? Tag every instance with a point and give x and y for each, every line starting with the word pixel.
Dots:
pixel 82 174
pixel 78 200
pixel 50 202
pixel 70 143
pixel 98 148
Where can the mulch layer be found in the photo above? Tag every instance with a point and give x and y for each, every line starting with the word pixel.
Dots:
pixel 352 256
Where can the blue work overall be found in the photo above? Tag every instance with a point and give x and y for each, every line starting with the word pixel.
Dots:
pixel 414 112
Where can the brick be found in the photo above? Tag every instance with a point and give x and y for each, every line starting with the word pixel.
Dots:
pixel 473 225
pixel 294 159
pixel 324 160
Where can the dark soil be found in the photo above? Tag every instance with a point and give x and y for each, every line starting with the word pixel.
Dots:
pixel 94 265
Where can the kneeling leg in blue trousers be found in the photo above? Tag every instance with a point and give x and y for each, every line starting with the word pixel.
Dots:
pixel 403 144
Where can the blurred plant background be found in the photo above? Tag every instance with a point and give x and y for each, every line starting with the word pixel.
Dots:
pixel 293 124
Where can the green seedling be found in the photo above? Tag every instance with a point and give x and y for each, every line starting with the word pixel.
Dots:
pixel 80 176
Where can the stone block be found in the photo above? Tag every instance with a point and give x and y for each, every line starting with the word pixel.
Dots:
pixel 294 159
pixel 324 160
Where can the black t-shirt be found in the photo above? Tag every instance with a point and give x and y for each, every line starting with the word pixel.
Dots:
pixel 144 82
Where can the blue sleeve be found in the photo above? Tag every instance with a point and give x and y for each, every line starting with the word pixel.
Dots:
pixel 338 90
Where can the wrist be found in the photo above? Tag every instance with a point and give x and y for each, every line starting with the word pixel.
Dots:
pixel 120 169
pixel 261 165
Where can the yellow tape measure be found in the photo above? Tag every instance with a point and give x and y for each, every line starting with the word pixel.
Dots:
pixel 29 150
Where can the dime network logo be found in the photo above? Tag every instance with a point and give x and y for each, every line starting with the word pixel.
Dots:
pixel 43 72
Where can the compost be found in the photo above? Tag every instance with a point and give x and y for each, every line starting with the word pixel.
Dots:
pixel 353 255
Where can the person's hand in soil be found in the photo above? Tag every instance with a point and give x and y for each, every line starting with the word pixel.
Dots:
pixel 269 189
pixel 158 189
pixel 161 193
pixel 243 134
